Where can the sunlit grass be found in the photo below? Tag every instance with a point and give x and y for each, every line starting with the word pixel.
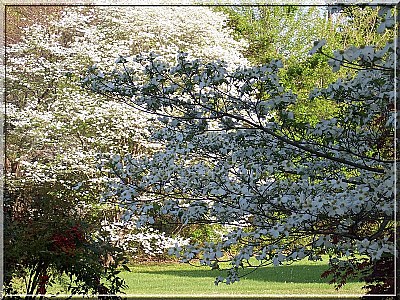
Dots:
pixel 302 278
pixel 165 280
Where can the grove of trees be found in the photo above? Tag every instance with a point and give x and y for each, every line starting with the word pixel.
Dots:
pixel 206 134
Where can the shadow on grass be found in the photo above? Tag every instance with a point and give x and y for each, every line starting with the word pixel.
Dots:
pixel 291 273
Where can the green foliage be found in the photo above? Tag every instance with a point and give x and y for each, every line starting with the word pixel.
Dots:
pixel 199 233
pixel 46 236
pixel 287 33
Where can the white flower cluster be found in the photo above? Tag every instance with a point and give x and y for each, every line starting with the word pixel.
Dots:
pixel 147 241
pixel 48 107
pixel 110 32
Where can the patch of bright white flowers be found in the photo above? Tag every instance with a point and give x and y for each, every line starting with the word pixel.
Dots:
pixel 149 241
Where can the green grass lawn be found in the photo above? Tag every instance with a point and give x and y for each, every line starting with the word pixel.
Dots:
pixel 302 278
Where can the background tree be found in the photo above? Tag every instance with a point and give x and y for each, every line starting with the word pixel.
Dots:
pixel 231 154
pixel 284 32
pixel 54 131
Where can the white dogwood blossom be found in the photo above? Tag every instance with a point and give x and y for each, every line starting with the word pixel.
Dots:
pixel 233 154
pixel 55 129
pixel 149 241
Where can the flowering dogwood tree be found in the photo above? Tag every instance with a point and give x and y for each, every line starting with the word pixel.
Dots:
pixel 232 153
pixel 43 101
pixel 55 129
